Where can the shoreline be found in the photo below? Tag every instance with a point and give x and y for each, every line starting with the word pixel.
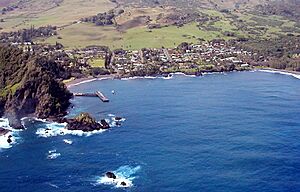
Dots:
pixel 83 80
pixel 295 74
pixel 79 81
pixel 280 70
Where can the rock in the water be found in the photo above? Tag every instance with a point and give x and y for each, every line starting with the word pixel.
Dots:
pixel 198 74
pixel 110 175
pixel 3 131
pixel 14 120
pixel 118 118
pixel 123 183
pixel 86 123
pixel 104 124
pixel 9 140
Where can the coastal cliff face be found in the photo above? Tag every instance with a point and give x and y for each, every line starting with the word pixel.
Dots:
pixel 29 85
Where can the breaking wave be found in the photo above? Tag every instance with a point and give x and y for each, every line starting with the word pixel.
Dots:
pixel 10 138
pixel 52 129
pixel 281 72
pixel 124 175
pixel 53 154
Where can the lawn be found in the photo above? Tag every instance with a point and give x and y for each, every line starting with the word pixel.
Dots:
pixel 97 62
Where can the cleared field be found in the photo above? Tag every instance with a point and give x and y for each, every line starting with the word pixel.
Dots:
pixel 99 62
pixel 64 14
pixel 166 37
pixel 131 31
pixel 81 35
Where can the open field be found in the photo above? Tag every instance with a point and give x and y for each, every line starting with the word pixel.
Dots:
pixel 137 37
pixel 81 35
pixel 97 62
pixel 131 28
pixel 59 15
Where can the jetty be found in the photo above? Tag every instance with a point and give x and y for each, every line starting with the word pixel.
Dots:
pixel 98 94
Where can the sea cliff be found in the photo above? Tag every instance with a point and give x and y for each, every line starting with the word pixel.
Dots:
pixel 30 85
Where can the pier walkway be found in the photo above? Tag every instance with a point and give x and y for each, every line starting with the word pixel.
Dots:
pixel 98 94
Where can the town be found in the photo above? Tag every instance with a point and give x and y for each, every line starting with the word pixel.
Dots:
pixel 190 59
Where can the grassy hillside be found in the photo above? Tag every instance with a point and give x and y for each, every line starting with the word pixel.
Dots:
pixel 216 19
pixel 237 24
pixel 46 12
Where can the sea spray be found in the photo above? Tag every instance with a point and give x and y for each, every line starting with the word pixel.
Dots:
pixel 52 129
pixel 12 135
pixel 124 175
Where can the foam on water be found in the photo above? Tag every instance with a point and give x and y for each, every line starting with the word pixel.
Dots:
pixel 53 154
pixel 52 129
pixel 67 141
pixel 280 72
pixel 13 134
pixel 113 121
pixel 170 76
pixel 123 174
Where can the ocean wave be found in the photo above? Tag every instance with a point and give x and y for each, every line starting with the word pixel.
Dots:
pixel 280 72
pixel 4 123
pixel 170 76
pixel 114 121
pixel 10 138
pixel 52 129
pixel 124 174
pixel 53 154
pixel 67 141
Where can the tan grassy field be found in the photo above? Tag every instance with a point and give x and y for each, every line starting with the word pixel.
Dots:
pixel 66 13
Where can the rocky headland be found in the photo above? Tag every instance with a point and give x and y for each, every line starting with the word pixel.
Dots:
pixel 30 85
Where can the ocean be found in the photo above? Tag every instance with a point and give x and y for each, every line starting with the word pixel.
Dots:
pixel 234 132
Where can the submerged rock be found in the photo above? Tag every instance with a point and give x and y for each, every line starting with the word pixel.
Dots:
pixel 9 140
pixel 110 175
pixel 104 124
pixel 3 131
pixel 85 122
pixel 118 118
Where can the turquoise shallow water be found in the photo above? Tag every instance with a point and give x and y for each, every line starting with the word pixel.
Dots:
pixel 221 132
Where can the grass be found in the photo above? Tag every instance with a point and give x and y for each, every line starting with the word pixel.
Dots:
pixel 66 13
pixel 225 25
pixel 81 35
pixel 97 62
pixel 9 89
pixel 213 13
pixel 167 37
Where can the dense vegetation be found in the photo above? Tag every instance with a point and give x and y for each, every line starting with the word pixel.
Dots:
pixel 279 53
pixel 101 19
pixel 27 35
pixel 29 85
pixel 286 8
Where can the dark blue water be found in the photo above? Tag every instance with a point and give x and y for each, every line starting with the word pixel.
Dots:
pixel 234 132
